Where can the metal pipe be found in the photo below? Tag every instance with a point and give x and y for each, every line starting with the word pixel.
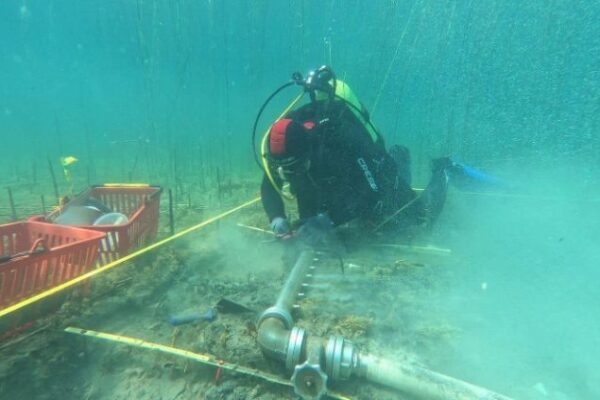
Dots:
pixel 316 360
pixel 282 310
pixel 273 338
pixel 291 288
pixel 275 325
pixel 421 382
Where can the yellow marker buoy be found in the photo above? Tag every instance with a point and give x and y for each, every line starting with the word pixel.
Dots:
pixel 68 161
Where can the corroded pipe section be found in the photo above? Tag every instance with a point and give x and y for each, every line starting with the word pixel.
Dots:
pixel 421 382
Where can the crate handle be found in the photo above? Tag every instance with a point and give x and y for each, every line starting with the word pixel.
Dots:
pixel 38 247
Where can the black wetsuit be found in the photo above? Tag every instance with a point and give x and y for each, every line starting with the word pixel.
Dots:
pixel 349 176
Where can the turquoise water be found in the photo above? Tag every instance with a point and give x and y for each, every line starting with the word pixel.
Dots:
pixel 167 92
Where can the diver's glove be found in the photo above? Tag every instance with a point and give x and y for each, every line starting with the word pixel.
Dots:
pixel 281 228
pixel 315 230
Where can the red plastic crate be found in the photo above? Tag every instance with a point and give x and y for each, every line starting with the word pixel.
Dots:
pixel 36 256
pixel 141 205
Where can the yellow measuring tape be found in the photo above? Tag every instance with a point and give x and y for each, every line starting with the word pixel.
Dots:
pixel 81 278
pixel 200 357
pixel 125 185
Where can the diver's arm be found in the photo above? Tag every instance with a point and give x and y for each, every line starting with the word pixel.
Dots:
pixel 307 196
pixel 271 200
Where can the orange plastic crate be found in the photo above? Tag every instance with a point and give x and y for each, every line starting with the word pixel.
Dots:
pixel 141 205
pixel 35 257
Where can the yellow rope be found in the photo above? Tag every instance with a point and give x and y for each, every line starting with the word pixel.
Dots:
pixel 120 261
pixel 392 62
pixel 200 357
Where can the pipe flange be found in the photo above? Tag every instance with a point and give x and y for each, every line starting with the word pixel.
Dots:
pixel 340 358
pixel 279 313
pixel 332 356
pixel 349 360
pixel 310 382
pixel 295 346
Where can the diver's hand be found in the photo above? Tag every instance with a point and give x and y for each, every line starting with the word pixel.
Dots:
pixel 281 228
pixel 315 230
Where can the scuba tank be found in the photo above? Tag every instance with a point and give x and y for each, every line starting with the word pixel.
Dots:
pixel 329 89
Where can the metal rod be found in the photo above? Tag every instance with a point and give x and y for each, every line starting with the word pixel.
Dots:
pixel 255 228
pixel 21 338
pixel 418 249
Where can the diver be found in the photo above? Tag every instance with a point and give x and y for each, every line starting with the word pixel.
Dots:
pixel 333 160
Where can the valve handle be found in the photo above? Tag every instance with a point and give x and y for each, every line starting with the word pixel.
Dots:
pixel 309 380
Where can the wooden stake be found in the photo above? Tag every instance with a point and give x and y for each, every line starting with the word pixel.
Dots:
pixel 43 204
pixel 11 202
pixel 219 193
pixel 90 157
pixel 58 133
pixel 171 217
pixel 54 184
pixel 34 172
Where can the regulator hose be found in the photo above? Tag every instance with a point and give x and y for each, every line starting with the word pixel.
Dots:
pixel 262 108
